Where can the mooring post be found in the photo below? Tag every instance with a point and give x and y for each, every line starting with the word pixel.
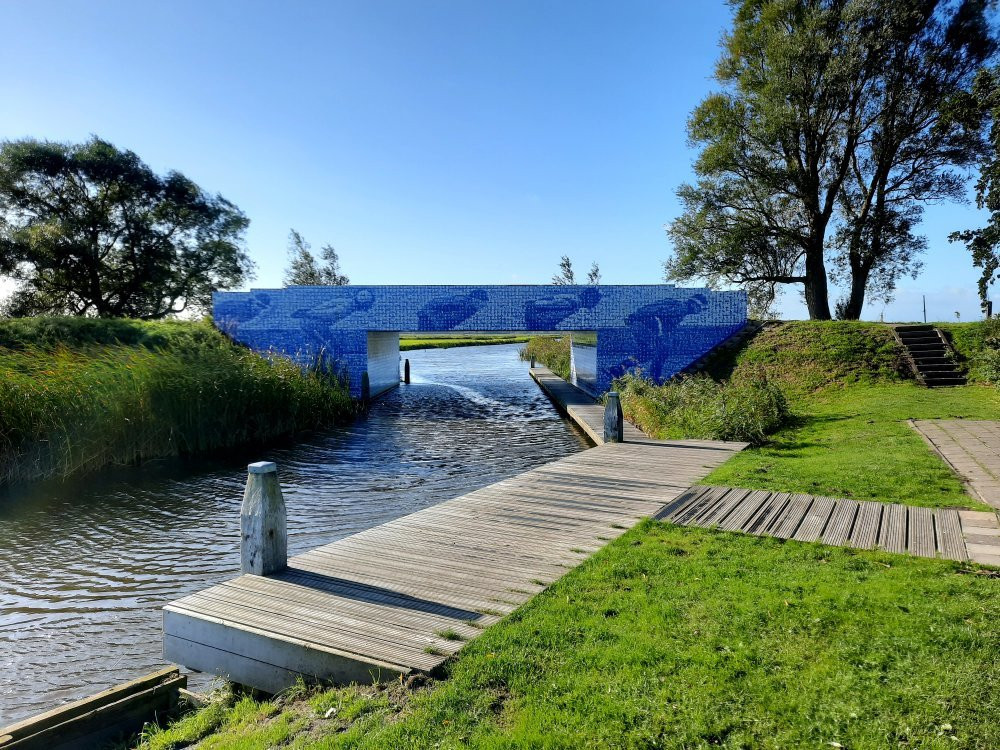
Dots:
pixel 406 371
pixel 264 544
pixel 614 419
pixel 532 361
pixel 366 388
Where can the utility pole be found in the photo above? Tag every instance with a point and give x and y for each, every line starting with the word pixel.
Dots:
pixel 925 307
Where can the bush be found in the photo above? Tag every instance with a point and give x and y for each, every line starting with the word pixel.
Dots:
pixel 748 407
pixel 978 348
pixel 550 351
pixel 179 389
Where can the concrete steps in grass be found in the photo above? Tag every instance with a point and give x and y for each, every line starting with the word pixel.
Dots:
pixel 929 355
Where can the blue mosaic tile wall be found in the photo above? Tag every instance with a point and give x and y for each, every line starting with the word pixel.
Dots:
pixel 656 328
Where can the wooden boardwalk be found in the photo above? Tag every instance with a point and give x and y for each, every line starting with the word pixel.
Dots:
pixel 403 596
pixel 926 532
pixel 583 409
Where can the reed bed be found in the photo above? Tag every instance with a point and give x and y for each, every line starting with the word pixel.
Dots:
pixel 175 389
pixel 748 406
pixel 550 351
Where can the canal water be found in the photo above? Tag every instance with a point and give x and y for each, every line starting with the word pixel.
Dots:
pixel 85 565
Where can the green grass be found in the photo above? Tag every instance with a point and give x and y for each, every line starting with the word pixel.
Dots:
pixel 685 638
pixel 746 408
pixel 449 341
pixel 808 355
pixel 47 333
pixel 849 395
pixel 976 345
pixel 76 395
pixel 855 442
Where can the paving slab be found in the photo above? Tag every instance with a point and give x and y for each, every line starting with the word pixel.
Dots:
pixel 972 448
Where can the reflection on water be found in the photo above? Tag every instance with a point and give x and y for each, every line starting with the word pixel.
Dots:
pixel 85 565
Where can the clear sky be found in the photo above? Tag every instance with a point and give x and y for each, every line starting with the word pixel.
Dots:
pixel 456 141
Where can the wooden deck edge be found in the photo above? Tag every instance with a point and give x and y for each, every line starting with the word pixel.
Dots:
pixel 583 424
pixel 208 644
pixel 108 716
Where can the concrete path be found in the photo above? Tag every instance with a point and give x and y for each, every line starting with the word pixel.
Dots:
pixel 971 448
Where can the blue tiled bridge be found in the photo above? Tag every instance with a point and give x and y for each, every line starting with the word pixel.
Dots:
pixel 658 329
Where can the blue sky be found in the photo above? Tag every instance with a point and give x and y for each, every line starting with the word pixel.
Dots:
pixel 430 142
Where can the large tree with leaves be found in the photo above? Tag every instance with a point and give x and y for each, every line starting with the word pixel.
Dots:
pixel 984 242
pixel 836 121
pixel 88 229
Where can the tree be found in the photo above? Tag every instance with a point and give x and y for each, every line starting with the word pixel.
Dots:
pixel 88 229
pixel 919 132
pixel 837 120
pixel 331 269
pixel 594 274
pixel 305 270
pixel 565 276
pixel 984 243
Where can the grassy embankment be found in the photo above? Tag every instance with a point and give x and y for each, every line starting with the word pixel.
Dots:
pixel 844 433
pixel 78 394
pixel 680 638
pixel 409 342
pixel 851 399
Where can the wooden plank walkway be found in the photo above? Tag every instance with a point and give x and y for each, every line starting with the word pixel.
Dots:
pixel 926 532
pixel 403 596
pixel 579 406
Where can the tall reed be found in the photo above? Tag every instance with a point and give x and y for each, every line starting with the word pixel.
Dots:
pixel 550 351
pixel 66 409
pixel 747 407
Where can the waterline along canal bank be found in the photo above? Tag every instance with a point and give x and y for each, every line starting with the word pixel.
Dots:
pixel 118 544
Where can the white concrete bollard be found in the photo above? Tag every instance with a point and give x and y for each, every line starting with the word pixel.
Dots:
pixel 263 529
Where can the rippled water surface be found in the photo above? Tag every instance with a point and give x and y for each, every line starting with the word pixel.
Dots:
pixel 85 565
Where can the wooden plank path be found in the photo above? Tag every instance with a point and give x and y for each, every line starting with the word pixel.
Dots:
pixel 582 408
pixel 403 596
pixel 926 532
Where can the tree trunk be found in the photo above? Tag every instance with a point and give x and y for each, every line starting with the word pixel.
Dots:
pixel 816 291
pixel 856 299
